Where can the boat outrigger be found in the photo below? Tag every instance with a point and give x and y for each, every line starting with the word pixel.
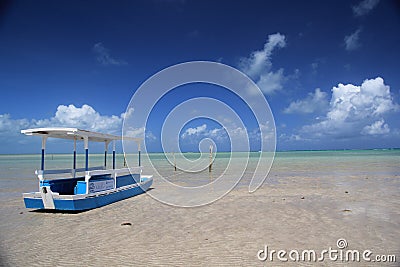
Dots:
pixel 84 188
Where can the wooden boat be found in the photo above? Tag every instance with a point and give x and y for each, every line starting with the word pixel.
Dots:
pixel 84 188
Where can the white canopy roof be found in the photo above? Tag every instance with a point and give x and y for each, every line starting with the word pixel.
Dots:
pixel 75 133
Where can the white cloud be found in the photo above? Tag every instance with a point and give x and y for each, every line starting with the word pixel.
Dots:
pixel 84 117
pixel 378 127
pixel 292 137
pixel 194 131
pixel 128 113
pixel 258 65
pixel 139 132
pixel 9 126
pixel 371 99
pixel 352 41
pixel 271 81
pixel 202 131
pixel 265 132
pixel 259 61
pixel 364 7
pixel 233 134
pixel 355 110
pixel 103 56
pixel 316 101
pixel 135 132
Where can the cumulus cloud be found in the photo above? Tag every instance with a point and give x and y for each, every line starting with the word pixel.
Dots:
pixel 265 132
pixel 351 102
pixel 103 56
pixel 84 117
pixel 377 128
pixel 317 101
pixel 232 134
pixel 128 113
pixel 139 132
pixel 364 7
pixel 259 61
pixel 134 132
pixel 194 131
pixel 352 41
pixel 355 110
pixel 236 135
pixel 258 65
pixel 10 126
pixel 271 81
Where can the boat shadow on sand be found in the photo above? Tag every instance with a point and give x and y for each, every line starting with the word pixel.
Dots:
pixel 73 211
pixel 59 211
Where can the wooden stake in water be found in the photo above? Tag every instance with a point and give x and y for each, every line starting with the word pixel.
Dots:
pixel 173 154
pixel 210 166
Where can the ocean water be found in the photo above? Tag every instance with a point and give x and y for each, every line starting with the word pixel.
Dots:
pixel 17 171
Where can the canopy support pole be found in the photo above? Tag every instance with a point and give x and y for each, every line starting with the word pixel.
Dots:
pixel 105 153
pixel 74 163
pixel 44 139
pixel 86 141
pixel 113 154
pixel 139 154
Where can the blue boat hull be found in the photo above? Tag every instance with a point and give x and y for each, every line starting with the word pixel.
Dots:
pixel 90 202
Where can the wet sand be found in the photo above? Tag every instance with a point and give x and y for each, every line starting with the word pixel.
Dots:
pixel 288 212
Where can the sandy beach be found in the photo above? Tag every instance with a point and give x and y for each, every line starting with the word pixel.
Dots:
pixel 300 207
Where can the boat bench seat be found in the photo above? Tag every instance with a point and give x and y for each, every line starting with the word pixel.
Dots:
pixel 61 186
pixel 96 184
pixel 80 188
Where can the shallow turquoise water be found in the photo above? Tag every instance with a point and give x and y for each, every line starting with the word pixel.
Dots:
pixel 17 171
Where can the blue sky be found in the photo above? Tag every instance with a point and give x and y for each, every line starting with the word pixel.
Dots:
pixel 329 69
